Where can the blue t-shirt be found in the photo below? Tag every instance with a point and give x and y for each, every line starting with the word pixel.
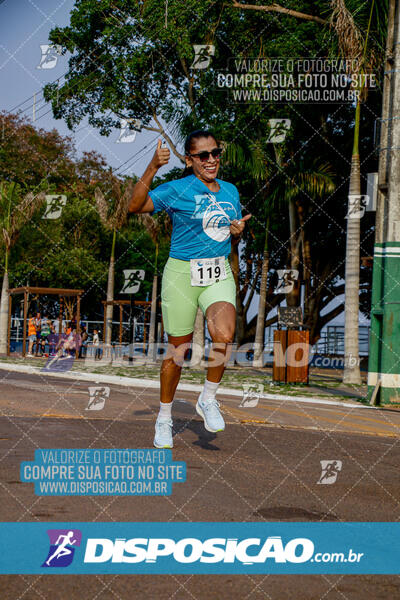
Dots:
pixel 200 218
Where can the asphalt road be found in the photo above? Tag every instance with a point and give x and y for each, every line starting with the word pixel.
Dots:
pixel 265 467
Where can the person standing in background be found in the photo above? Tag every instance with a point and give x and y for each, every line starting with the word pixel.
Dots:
pixel 31 335
pixel 96 344
pixel 52 339
pixel 38 326
pixel 44 333
pixel 84 341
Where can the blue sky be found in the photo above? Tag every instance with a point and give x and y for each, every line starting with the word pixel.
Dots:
pixel 24 27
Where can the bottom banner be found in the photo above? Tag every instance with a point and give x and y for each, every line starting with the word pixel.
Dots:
pixel 192 548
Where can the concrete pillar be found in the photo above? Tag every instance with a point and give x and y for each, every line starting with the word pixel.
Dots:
pixel 384 356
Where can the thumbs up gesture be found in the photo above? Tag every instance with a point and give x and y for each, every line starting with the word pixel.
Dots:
pixel 161 156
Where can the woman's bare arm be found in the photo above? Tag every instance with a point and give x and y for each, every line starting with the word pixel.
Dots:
pixel 141 201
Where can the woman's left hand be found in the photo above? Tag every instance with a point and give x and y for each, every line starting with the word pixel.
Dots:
pixel 237 226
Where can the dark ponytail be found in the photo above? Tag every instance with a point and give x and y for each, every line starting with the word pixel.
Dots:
pixel 194 135
pixel 187 171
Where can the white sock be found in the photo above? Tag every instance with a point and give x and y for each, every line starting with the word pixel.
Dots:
pixel 165 410
pixel 209 390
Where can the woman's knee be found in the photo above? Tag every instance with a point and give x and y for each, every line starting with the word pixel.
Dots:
pixel 223 335
pixel 178 347
pixel 223 332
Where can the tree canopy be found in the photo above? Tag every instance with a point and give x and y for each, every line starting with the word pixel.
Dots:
pixel 136 60
pixel 71 251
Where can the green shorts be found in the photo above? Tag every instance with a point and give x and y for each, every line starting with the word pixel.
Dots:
pixel 180 299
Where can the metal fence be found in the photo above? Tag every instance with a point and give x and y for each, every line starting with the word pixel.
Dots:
pixel 141 331
pixel 331 341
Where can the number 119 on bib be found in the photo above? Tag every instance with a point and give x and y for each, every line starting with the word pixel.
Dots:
pixel 207 271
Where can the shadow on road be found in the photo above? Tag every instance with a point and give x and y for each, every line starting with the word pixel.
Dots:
pixel 197 427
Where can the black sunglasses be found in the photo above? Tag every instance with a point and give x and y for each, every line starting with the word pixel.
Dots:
pixel 204 155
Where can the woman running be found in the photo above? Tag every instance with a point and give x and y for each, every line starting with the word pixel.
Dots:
pixel 206 218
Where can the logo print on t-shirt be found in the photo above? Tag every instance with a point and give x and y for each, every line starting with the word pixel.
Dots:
pixel 215 216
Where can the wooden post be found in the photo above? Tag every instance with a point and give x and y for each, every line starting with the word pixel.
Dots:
pixel 104 323
pixel 9 323
pixel 60 318
pixel 144 329
pixel 279 365
pixel 78 327
pixel 24 324
pixel 298 350
pixel 120 324
pixel 131 328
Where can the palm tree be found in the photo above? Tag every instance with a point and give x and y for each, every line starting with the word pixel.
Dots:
pixel 113 216
pixel 353 47
pixel 298 182
pixel 260 325
pixel 294 181
pixel 254 161
pixel 298 185
pixel 15 213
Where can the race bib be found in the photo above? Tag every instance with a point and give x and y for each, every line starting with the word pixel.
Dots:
pixel 205 271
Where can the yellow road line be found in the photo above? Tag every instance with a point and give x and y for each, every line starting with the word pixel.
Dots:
pixel 314 428
pixel 343 421
pixel 97 417
pixel 316 418
pixel 335 412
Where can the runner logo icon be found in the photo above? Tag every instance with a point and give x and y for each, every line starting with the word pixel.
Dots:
pixel 203 54
pixel 330 470
pixel 50 54
pixel 54 205
pixel 251 394
pixel 98 396
pixel 61 551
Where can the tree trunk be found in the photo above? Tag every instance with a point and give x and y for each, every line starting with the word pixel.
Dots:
pixel 69 308
pixel 307 263
pixel 351 372
pixel 4 314
pixel 4 293
pixel 153 311
pixel 292 225
pixel 110 294
pixel 258 359
pixel 198 340
pixel 293 297
pixel 151 350
pixel 240 314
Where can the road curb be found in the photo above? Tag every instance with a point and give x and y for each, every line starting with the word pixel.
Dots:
pixel 155 384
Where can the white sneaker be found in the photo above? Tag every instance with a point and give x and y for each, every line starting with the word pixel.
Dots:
pixel 163 435
pixel 209 411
